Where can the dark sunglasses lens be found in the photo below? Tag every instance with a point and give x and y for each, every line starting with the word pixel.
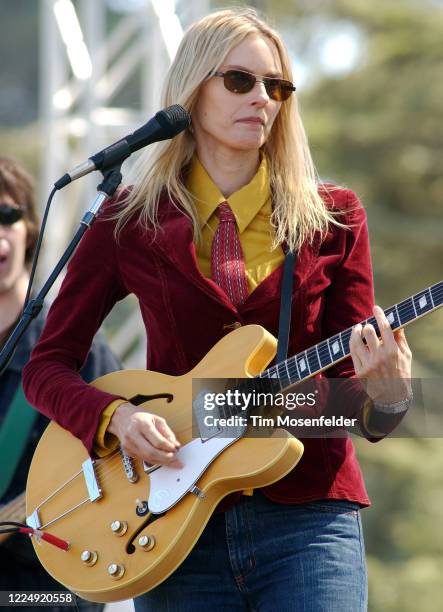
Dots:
pixel 239 82
pixel 286 89
pixel 9 214
pixel 278 89
pixel 273 89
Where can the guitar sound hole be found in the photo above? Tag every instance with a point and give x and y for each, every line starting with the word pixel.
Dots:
pixel 130 548
pixel 141 399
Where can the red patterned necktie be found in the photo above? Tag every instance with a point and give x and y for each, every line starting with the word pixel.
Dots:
pixel 227 263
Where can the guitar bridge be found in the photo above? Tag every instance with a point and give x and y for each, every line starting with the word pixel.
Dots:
pixel 94 490
pixel 128 466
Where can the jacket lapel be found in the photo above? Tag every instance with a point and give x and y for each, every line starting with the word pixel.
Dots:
pixel 176 246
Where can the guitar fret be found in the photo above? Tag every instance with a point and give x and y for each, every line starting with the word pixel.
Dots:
pixel 406 311
pixel 336 347
pixel 287 372
pixel 324 356
pixel 398 316
pixel 437 293
pixel 281 369
pixel 329 349
pixel 430 295
pixel 313 362
pixel 422 302
pixel 393 316
pixel 345 335
pixel 303 365
pixel 273 372
pixel 294 361
pixel 318 356
pixel 295 373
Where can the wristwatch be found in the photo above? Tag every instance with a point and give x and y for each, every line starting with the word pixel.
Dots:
pixel 395 408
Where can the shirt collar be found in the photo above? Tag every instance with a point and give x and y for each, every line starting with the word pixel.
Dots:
pixel 245 203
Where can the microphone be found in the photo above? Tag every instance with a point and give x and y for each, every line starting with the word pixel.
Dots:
pixel 166 124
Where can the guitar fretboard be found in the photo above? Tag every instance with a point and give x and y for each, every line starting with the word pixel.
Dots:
pixel 332 350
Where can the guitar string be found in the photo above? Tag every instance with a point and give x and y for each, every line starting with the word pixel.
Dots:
pixel 107 467
pixel 62 487
pixel 401 310
pixel 407 304
pixel 112 463
pixel 61 491
pixel 101 469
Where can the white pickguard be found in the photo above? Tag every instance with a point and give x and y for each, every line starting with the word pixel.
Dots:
pixel 169 485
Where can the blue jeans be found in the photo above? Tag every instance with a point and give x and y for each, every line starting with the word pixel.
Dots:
pixel 267 557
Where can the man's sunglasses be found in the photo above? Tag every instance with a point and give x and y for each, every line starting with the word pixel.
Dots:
pixel 10 214
pixel 239 81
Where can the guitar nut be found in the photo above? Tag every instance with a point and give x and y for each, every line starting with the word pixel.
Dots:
pixel 89 557
pixel 146 542
pixel 119 528
pixel 116 571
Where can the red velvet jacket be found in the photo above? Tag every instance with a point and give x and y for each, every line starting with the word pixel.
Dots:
pixel 185 314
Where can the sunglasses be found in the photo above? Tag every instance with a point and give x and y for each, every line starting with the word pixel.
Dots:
pixel 10 214
pixel 239 81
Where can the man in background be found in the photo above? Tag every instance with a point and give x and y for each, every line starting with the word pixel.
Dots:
pixel 20 569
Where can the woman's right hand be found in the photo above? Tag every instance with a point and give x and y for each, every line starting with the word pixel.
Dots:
pixel 145 436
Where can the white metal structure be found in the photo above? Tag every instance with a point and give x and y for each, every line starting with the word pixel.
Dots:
pixel 84 66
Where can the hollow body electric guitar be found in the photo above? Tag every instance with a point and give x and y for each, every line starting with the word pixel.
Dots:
pixel 127 525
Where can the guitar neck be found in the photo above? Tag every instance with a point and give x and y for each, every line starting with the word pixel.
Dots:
pixel 328 352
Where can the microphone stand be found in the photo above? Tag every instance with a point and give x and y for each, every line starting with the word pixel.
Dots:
pixel 112 178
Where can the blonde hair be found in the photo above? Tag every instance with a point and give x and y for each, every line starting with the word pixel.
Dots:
pixel 298 209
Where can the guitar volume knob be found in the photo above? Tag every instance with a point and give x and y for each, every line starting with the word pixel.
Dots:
pixel 116 571
pixel 89 557
pixel 119 528
pixel 146 542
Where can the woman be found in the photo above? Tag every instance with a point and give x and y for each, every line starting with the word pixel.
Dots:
pixel 298 543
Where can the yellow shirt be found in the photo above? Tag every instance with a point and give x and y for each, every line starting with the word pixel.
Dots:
pixel 252 209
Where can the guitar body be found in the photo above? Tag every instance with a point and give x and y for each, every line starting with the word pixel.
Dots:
pixel 247 462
